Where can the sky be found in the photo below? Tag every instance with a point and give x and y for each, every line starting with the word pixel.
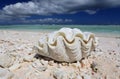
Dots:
pixel 59 12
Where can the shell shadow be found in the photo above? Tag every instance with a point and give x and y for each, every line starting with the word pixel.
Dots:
pixel 38 56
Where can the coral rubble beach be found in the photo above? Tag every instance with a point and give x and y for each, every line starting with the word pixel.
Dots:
pixel 18 60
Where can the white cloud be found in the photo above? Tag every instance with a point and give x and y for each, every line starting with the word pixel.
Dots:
pixel 21 8
pixel 23 19
pixel 90 11
pixel 46 7
pixel 47 20
pixel 19 12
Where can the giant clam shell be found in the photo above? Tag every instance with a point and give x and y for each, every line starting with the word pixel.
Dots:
pixel 67 44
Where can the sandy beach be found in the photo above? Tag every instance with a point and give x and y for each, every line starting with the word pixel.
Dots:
pixel 18 59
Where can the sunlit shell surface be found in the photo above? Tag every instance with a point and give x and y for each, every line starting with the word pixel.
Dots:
pixel 67 44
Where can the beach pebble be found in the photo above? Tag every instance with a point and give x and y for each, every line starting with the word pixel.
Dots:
pixel 51 63
pixel 0 50
pixel 78 77
pixel 42 68
pixel 18 58
pixel 94 66
pixel 43 62
pixel 60 74
pixel 59 65
pixel 98 53
pixel 72 75
pixel 64 64
pixel 15 67
pixel 28 58
pixel 85 63
pixel 5 74
pixel 86 76
pixel 76 65
pixel 38 66
pixel 6 60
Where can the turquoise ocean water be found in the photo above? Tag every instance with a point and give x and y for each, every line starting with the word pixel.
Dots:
pixel 103 29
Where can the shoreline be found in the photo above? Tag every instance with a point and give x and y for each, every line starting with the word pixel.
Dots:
pixel 98 34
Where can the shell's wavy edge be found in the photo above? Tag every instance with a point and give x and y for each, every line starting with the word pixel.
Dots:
pixel 67 44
